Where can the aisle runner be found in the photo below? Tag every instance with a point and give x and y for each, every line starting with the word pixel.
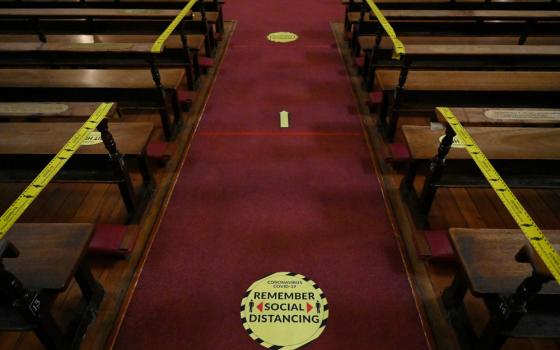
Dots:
pixel 253 199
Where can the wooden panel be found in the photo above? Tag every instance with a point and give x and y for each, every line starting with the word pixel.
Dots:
pixel 87 12
pixel 386 43
pixel 496 143
pixel 95 47
pixel 21 110
pixel 194 41
pixel 89 78
pixel 470 14
pixel 48 253
pixel 48 138
pixel 487 255
pixel 477 50
pixel 367 41
pixel 471 81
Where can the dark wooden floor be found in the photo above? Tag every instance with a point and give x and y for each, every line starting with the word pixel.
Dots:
pixel 459 207
pixel 83 202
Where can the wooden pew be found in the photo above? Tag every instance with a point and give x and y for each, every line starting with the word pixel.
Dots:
pixel 37 262
pixel 524 157
pixel 129 87
pixel 213 8
pixel 424 90
pixel 459 22
pixel 462 57
pixel 28 147
pixel 99 55
pixel 49 21
pixel 174 51
pixel 519 293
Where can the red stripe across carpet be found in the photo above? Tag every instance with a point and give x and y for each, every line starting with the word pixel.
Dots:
pixel 248 203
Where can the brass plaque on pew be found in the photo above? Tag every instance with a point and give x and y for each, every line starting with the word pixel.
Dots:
pixel 31 109
pixel 517 114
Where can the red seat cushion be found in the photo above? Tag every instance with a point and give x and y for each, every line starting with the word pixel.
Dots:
pixel 185 95
pixel 205 62
pixel 110 239
pixel 439 245
pixel 359 61
pixel 375 97
pixel 160 150
pixel 398 152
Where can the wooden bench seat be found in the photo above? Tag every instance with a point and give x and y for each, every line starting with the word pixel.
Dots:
pixel 24 110
pixel 53 21
pixel 493 264
pixel 194 41
pixel 47 138
pixel 134 87
pixel 467 57
pixel 367 42
pixel 524 157
pixel 471 15
pixel 100 55
pixel 471 81
pixel 174 52
pixel 425 89
pixel 506 143
pixel 212 7
pixel 79 13
pixel 523 24
pixel 50 255
pixel 28 147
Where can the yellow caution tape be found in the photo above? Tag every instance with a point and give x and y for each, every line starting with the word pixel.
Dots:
pixel 535 236
pixel 25 199
pixel 157 47
pixel 398 46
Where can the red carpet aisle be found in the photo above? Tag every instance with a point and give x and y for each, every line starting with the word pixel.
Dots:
pixel 253 199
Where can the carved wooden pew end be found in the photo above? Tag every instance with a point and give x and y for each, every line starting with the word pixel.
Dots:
pixel 521 299
pixel 50 255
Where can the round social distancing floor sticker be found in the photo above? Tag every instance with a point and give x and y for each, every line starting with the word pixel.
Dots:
pixel 284 310
pixel 282 37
